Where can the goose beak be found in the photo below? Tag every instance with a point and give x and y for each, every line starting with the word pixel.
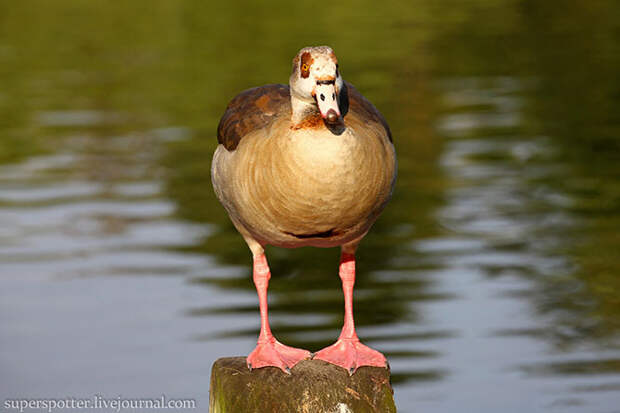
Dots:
pixel 327 101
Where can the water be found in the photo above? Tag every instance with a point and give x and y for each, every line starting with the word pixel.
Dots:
pixel 491 281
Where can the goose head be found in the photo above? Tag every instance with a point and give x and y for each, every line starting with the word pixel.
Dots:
pixel 316 81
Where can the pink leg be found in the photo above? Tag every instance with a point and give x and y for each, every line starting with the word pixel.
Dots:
pixel 269 351
pixel 348 352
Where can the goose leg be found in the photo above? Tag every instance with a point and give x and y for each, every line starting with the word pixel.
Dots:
pixel 348 352
pixel 269 351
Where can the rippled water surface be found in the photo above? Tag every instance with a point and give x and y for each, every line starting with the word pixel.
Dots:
pixel 491 282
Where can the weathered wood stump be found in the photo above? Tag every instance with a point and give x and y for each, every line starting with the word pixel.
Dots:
pixel 313 386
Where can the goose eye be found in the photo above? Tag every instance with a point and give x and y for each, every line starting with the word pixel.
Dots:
pixel 306 62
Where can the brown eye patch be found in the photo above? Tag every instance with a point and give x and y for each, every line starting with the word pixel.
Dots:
pixel 306 62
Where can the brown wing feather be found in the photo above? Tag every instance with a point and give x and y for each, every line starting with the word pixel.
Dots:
pixel 353 101
pixel 250 110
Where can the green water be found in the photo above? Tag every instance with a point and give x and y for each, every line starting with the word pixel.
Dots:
pixel 491 281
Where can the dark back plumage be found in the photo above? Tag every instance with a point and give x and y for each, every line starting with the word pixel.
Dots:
pixel 258 107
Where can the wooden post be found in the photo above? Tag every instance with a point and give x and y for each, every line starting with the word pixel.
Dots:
pixel 313 386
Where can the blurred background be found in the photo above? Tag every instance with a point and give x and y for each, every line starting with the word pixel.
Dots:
pixel 491 281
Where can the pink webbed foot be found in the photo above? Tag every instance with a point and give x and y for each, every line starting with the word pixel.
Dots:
pixel 351 354
pixel 273 353
pixel 269 351
pixel 348 352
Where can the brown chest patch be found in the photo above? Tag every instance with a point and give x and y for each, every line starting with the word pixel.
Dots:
pixel 311 122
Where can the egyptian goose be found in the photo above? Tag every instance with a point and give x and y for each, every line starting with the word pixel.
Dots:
pixel 309 164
